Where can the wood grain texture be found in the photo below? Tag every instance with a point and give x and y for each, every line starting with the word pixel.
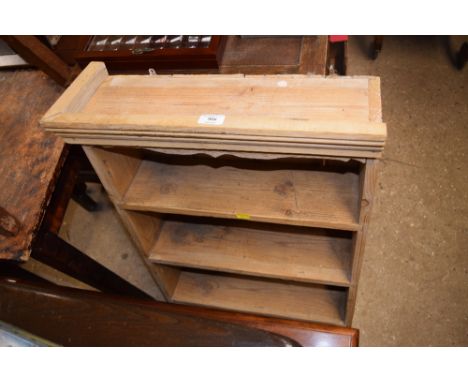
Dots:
pixel 375 100
pixel 79 92
pixel 36 53
pixel 288 253
pixel 332 112
pixel 287 196
pixel 143 229
pixel 116 170
pixel 271 298
pixel 235 147
pixel 368 180
pixel 314 55
pixel 76 318
pixel 110 320
pixel 30 158
pixel 288 96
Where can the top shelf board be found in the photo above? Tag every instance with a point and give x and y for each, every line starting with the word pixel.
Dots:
pixel 333 113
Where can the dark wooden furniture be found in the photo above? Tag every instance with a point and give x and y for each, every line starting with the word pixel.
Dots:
pixel 376 47
pixel 38 174
pixel 138 54
pixel 30 158
pixel 36 53
pixel 275 55
pixel 73 317
pixel 462 56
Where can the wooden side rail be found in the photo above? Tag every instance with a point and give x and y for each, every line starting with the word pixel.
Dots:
pixel 74 317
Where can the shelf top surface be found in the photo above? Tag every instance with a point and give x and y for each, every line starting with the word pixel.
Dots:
pixel 341 109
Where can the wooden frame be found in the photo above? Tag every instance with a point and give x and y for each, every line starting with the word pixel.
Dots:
pixel 288 186
pixel 72 317
pixel 36 53
pixel 74 48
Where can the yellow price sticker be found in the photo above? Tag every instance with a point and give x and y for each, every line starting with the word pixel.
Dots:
pixel 243 216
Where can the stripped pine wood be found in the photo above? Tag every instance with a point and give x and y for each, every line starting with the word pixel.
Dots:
pixel 298 197
pixel 116 168
pixel 275 190
pixel 337 113
pixel 368 180
pixel 297 97
pixel 260 250
pixel 153 125
pixel 142 135
pixel 306 150
pixel 80 91
pixel 310 303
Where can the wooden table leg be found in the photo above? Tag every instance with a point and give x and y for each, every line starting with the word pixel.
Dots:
pixel 36 53
pixel 376 46
pixel 50 249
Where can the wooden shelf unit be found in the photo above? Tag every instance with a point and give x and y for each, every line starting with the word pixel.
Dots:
pixel 244 227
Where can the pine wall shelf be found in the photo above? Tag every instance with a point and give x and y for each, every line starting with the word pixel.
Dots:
pixel 245 193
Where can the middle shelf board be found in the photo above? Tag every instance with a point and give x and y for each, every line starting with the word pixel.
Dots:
pixel 266 250
pixel 304 196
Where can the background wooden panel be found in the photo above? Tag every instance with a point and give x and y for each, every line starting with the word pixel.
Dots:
pixel 29 156
pixel 275 55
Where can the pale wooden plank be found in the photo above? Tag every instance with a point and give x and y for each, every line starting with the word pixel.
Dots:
pixel 143 229
pixel 149 136
pixel 75 97
pixel 368 180
pixel 260 250
pixel 375 100
pixel 316 104
pixel 115 168
pixel 298 197
pixel 308 150
pixel 310 303
pixel 234 125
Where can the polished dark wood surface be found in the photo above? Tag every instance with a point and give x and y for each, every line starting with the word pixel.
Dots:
pixel 74 49
pixel 76 318
pixel 275 55
pixel 83 318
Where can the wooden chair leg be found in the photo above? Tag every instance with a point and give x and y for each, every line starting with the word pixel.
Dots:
pixel 462 56
pixel 376 46
pixel 55 252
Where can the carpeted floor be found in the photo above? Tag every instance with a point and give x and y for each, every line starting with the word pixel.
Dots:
pixel 414 281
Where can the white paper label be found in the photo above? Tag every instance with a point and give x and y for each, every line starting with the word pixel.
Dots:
pixel 211 119
pixel 282 84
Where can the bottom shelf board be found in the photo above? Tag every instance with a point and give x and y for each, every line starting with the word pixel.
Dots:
pixel 270 298
pixel 289 253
